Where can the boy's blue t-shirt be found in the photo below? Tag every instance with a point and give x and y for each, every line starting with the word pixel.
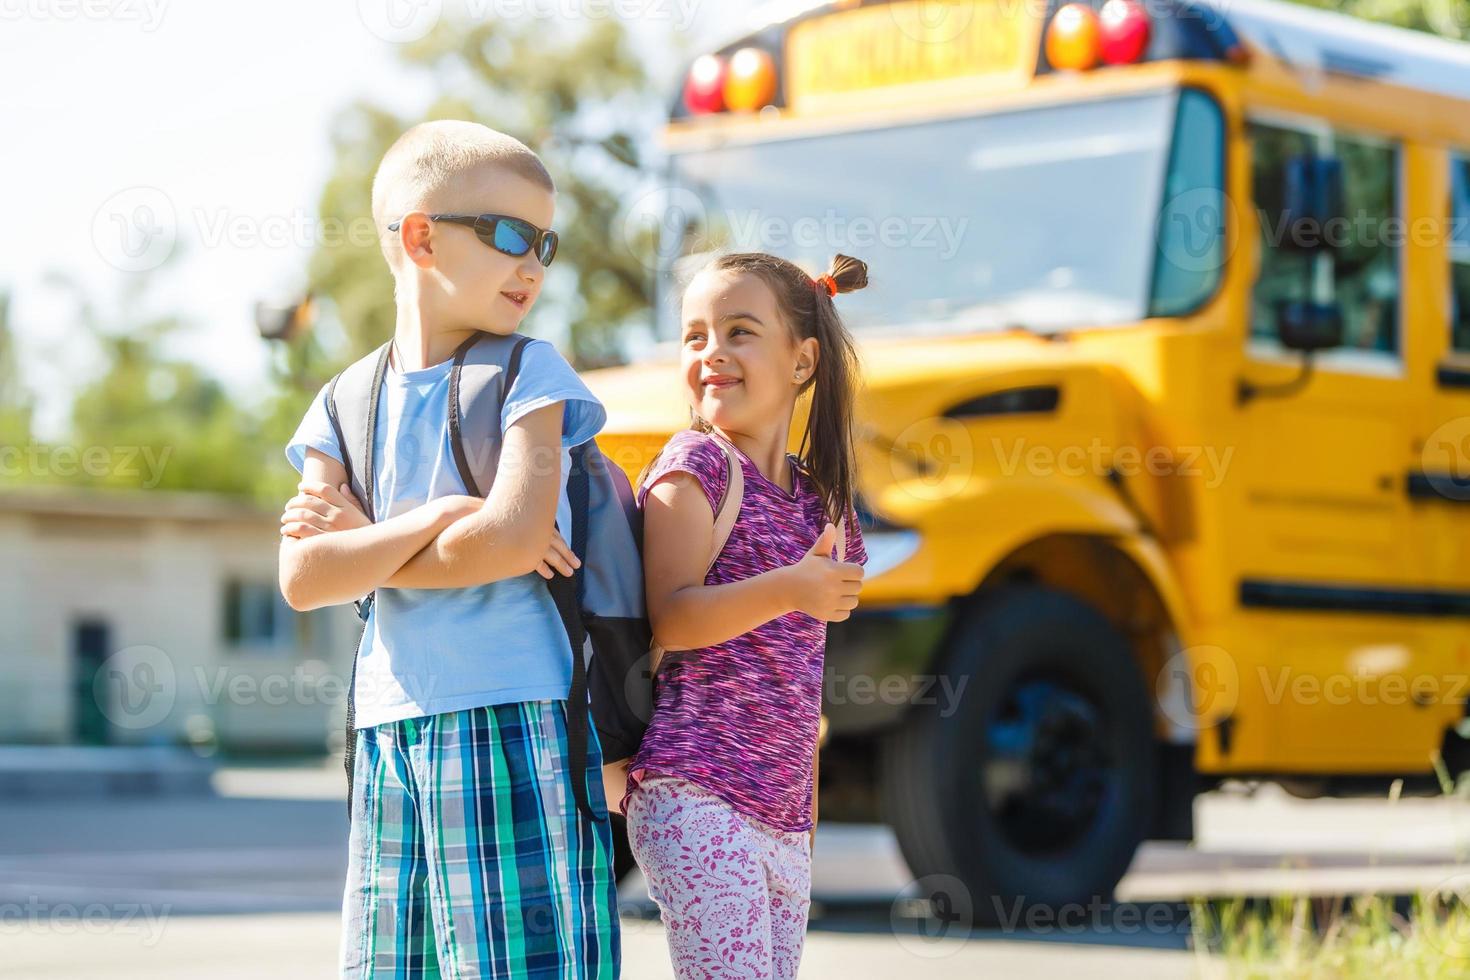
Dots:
pixel 429 651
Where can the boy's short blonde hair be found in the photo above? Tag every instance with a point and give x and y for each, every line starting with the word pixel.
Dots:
pixel 420 169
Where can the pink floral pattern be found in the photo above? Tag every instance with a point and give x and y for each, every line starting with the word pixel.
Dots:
pixel 733 892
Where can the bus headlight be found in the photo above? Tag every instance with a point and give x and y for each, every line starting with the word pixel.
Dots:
pixel 887 549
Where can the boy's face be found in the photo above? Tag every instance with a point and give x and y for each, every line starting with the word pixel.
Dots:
pixel 481 287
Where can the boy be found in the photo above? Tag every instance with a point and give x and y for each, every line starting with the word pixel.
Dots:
pixel 468 856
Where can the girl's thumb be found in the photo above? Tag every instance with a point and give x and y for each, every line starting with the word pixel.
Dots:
pixel 826 542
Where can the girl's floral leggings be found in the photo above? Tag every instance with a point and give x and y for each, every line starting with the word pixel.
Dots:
pixel 733 891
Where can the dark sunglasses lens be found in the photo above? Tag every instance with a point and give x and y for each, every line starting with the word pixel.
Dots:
pixel 513 237
pixel 548 248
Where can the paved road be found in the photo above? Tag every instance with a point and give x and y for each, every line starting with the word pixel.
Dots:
pixel 248 884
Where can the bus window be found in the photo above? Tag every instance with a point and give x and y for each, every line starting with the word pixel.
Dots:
pixel 1191 245
pixel 1360 275
pixel 1460 253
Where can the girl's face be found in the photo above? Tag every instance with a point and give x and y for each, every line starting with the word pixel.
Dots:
pixel 742 364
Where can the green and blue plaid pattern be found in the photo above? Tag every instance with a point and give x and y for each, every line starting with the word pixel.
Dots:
pixel 468 857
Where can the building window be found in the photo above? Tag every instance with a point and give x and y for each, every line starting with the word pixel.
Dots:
pixel 256 614
pixel 1460 253
pixel 1360 274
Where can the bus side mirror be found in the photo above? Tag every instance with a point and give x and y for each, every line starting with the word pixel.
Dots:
pixel 1311 196
pixel 1307 326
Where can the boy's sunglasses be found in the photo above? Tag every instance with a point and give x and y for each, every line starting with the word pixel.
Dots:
pixel 511 236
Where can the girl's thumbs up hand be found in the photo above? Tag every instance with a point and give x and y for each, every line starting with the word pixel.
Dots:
pixel 823 588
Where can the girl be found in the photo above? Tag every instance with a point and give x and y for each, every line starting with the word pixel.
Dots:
pixel 721 802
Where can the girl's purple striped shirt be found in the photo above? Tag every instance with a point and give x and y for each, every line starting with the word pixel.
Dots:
pixel 740 718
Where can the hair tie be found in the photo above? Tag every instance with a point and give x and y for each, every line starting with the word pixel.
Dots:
pixel 826 282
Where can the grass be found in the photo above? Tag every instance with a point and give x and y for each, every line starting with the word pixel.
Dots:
pixel 1304 938
pixel 1423 937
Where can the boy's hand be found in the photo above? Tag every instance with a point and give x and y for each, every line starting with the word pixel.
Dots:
pixel 559 558
pixel 319 508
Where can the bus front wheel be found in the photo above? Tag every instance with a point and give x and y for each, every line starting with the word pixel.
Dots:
pixel 1032 784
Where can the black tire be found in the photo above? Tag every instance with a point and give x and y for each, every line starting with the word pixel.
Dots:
pixel 1054 819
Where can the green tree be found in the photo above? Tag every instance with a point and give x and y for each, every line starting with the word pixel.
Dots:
pixel 149 419
pixel 16 404
pixel 1449 18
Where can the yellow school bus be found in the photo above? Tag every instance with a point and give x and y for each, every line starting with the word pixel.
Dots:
pixel 1165 433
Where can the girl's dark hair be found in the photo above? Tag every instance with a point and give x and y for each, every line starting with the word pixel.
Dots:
pixel 826 451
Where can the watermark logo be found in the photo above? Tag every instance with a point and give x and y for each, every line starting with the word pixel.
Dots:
pixel 933 458
pixel 135 230
pixel 148 14
pixel 1197 687
pixel 944 914
pixel 1447 906
pixel 136 687
pixel 1445 459
pixel 1193 234
pixel 399 21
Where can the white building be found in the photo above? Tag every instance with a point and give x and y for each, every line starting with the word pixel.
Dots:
pixel 155 618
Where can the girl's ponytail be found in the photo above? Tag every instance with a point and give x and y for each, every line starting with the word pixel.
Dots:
pixel 827 443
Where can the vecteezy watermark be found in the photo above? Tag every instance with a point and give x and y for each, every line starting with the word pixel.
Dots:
pixel 1448 903
pixel 92 918
pixel 148 14
pixel 1284 684
pixel 1102 459
pixel 931 458
pixel 136 687
pixel 1445 459
pixel 934 458
pixel 666 222
pixel 145 463
pixel 943 912
pixel 1096 916
pixel 403 21
pixel 1198 687
pixel 939 690
pixel 296 229
pixel 135 230
pixel 758 231
pixel 1193 233
pixel 301 686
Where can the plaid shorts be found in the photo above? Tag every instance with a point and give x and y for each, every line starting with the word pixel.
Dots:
pixel 468 857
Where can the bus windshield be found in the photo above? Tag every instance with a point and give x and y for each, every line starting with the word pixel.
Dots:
pixel 1043 219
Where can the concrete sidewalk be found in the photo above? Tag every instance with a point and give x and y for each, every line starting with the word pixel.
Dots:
pixel 304 947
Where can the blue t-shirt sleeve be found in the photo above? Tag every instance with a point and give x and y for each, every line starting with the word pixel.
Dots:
pixel 314 432
pixel 546 378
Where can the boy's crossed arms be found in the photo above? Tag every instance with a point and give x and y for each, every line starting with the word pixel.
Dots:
pixel 446 543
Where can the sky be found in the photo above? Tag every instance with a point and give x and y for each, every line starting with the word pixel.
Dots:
pixel 206 123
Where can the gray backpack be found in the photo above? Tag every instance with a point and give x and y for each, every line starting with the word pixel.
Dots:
pixel 601 606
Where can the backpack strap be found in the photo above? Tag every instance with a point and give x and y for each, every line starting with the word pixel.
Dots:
pixel 727 510
pixel 730 500
pixel 485 366
pixel 565 592
pixel 356 432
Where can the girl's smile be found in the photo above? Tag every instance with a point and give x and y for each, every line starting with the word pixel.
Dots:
pixel 719 381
